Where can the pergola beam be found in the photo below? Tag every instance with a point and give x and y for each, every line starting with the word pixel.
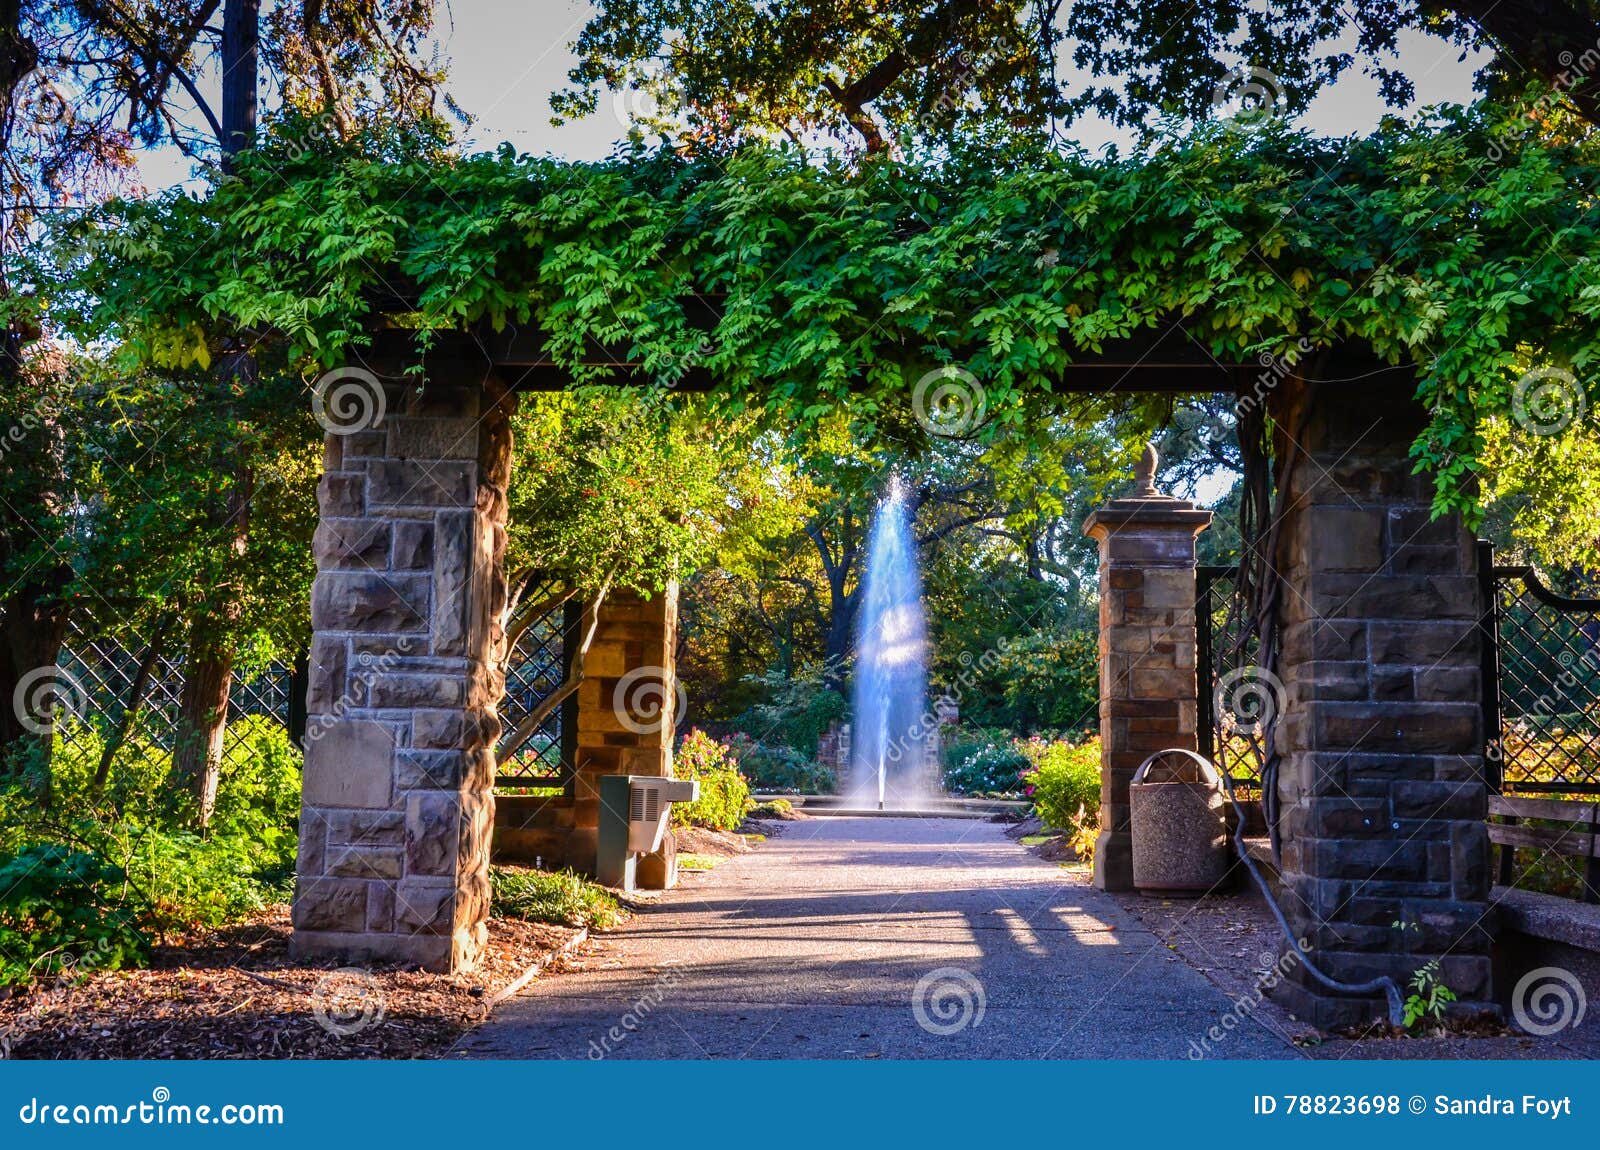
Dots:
pixel 1167 362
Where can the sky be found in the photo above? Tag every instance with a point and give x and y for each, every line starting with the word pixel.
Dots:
pixel 507 57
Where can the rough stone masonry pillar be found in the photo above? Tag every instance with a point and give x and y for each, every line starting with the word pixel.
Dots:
pixel 1147 649
pixel 397 805
pixel 1385 857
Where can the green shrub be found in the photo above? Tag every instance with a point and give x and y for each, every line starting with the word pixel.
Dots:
pixel 772 809
pixel 795 709
pixel 63 910
pixel 258 796
pixel 983 764
pixel 1063 779
pixel 559 897
pixel 777 767
pixel 138 825
pixel 189 880
pixel 724 794
pixel 1051 680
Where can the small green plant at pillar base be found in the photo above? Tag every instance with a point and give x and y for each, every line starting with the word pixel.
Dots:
pixel 559 897
pixel 1063 779
pixel 1429 997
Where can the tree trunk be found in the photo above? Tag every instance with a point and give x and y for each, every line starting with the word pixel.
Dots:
pixel 241 33
pixel 33 614
pixel 208 667
pixel 35 626
pixel 202 722
pixel 840 639
pixel 1556 40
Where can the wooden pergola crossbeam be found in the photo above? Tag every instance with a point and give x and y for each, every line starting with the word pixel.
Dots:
pixel 1169 361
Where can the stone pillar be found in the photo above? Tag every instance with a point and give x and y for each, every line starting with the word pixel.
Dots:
pixel 1381 785
pixel 629 705
pixel 404 679
pixel 1147 649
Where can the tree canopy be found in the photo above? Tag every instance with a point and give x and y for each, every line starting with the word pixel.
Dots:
pixel 872 73
pixel 1459 244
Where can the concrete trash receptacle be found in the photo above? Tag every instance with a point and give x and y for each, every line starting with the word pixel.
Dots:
pixel 1179 825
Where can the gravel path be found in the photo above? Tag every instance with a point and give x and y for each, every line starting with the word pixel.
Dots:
pixel 879 937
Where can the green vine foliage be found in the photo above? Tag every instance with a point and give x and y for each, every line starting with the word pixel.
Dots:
pixel 1464 244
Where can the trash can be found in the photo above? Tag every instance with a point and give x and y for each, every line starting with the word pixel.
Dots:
pixel 1179 825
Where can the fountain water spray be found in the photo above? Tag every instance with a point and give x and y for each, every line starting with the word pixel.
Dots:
pixel 891 762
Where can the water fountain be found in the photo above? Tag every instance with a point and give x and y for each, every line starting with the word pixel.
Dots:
pixel 891 765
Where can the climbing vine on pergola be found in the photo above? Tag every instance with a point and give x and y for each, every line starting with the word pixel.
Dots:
pixel 1464 244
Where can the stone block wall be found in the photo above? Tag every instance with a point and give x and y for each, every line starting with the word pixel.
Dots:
pixel 404 679
pixel 1381 777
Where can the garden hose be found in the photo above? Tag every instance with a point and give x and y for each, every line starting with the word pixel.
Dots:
pixel 1390 988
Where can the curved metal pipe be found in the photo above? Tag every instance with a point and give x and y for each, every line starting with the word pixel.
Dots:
pixel 1390 988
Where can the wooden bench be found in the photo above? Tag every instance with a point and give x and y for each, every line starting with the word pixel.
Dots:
pixel 1577 838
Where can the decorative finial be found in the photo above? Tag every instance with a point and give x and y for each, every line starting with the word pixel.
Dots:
pixel 1144 475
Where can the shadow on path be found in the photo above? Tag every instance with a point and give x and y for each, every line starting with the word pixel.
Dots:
pixel 876 937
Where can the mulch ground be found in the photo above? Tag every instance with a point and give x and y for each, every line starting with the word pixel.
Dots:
pixel 234 993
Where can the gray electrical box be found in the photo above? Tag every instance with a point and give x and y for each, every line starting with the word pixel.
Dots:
pixel 634 812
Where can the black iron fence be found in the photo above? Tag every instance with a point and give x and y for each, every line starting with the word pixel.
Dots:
pixel 1541 684
pixel 114 691
pixel 1225 655
pixel 111 689
pixel 536 670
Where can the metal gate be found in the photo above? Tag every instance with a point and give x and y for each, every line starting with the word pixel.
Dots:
pixel 535 670
pixel 1225 649
pixel 1541 678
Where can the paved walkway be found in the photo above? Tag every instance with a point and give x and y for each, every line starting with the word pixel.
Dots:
pixel 814 946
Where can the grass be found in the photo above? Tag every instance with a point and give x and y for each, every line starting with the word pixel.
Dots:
pixel 697 862
pixel 559 897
